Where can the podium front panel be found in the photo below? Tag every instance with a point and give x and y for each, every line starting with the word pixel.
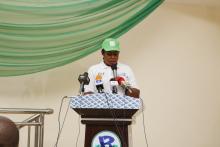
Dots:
pixel 105 101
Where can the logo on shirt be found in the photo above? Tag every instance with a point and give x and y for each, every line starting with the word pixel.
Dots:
pixel 98 78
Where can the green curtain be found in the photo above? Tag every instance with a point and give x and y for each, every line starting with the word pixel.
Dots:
pixel 36 35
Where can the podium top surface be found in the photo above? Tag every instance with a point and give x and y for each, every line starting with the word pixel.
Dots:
pixel 104 101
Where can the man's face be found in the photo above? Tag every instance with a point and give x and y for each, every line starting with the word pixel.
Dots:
pixel 110 57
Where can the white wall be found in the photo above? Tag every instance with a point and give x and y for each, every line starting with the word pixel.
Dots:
pixel 176 58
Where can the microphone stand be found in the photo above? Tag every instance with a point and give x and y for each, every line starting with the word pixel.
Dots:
pixel 81 89
pixel 114 70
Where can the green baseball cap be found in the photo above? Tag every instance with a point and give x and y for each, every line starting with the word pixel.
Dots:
pixel 111 44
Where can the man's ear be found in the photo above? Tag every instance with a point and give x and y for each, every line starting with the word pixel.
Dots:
pixel 102 51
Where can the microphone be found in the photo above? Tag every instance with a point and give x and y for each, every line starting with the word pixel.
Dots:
pixel 99 83
pixel 99 86
pixel 83 80
pixel 113 81
pixel 124 84
pixel 114 85
pixel 114 69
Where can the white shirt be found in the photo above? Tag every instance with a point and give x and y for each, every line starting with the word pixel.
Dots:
pixel 104 73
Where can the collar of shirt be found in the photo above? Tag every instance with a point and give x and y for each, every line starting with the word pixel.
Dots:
pixel 104 66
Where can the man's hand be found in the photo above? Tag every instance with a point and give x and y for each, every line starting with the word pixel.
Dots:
pixel 133 92
pixel 89 92
pixel 129 91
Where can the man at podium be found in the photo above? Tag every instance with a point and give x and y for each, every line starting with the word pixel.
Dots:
pixel 110 75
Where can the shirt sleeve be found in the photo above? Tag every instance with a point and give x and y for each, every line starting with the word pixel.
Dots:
pixel 132 79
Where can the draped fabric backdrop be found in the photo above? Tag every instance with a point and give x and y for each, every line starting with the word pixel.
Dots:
pixel 36 35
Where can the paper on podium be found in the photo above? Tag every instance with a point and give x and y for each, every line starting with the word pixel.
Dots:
pixel 104 101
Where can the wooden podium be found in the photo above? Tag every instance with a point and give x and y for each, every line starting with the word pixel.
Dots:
pixel 106 117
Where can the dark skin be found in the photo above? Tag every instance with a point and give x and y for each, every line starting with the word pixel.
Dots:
pixel 9 134
pixel 110 58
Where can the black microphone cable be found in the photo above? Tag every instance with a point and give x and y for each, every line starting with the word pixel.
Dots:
pixel 59 122
pixel 114 70
pixel 143 121
pixel 115 122
pixel 124 113
pixel 77 138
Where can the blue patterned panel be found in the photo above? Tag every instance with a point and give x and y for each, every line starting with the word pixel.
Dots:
pixel 104 101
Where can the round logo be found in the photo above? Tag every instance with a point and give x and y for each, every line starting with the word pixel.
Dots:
pixel 106 139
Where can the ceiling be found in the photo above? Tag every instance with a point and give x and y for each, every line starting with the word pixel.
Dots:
pixel 211 3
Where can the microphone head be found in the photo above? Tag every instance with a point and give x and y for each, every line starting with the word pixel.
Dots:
pixel 85 74
pixel 120 80
pixel 84 78
pixel 114 66
pixel 99 85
